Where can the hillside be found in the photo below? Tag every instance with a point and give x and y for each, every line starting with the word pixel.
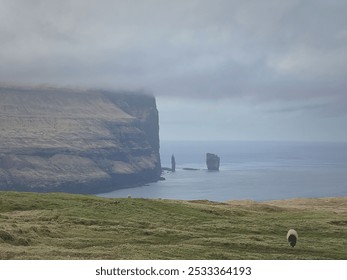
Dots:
pixel 66 226
pixel 54 139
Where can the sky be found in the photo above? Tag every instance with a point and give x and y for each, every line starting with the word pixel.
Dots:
pixel 220 69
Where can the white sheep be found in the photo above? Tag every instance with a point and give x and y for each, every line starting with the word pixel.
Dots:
pixel 292 237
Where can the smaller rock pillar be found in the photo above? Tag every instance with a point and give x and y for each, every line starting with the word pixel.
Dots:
pixel 173 163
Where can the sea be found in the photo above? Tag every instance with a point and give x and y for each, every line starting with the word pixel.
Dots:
pixel 249 170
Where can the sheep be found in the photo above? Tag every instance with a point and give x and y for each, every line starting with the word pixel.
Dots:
pixel 292 237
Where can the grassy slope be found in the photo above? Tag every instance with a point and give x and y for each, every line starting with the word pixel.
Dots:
pixel 64 226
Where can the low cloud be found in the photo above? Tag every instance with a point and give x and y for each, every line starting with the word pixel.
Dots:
pixel 254 50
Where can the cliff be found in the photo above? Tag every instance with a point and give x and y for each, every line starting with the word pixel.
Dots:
pixel 76 141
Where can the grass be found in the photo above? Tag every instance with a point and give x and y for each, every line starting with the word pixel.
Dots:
pixel 66 226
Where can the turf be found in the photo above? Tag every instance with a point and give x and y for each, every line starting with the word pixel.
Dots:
pixel 66 226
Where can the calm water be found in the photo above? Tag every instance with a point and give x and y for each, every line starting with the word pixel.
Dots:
pixel 249 170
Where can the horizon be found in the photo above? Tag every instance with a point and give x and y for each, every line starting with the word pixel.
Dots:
pixel 252 141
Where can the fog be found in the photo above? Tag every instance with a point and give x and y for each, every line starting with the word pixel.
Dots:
pixel 220 69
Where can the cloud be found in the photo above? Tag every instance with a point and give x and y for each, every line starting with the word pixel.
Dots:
pixel 254 50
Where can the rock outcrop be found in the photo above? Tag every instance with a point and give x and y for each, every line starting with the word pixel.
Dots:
pixel 77 141
pixel 212 161
pixel 173 163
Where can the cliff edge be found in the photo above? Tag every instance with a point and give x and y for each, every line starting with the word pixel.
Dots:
pixel 76 141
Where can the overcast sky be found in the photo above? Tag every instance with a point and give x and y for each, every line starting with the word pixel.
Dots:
pixel 220 69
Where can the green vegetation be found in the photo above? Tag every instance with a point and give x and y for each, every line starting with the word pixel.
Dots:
pixel 65 226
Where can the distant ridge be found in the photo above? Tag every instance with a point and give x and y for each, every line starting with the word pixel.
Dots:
pixel 76 140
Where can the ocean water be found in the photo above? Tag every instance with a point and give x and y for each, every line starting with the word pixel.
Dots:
pixel 249 170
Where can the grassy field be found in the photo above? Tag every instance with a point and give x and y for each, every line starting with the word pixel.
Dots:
pixel 65 226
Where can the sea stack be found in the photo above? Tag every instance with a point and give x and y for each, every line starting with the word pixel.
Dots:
pixel 173 163
pixel 212 161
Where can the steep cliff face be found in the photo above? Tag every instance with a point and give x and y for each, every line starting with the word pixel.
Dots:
pixel 77 141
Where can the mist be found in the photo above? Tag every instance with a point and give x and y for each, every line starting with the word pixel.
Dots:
pixel 272 69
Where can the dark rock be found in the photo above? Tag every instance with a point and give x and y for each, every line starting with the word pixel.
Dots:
pixel 190 169
pixel 77 141
pixel 173 163
pixel 212 161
